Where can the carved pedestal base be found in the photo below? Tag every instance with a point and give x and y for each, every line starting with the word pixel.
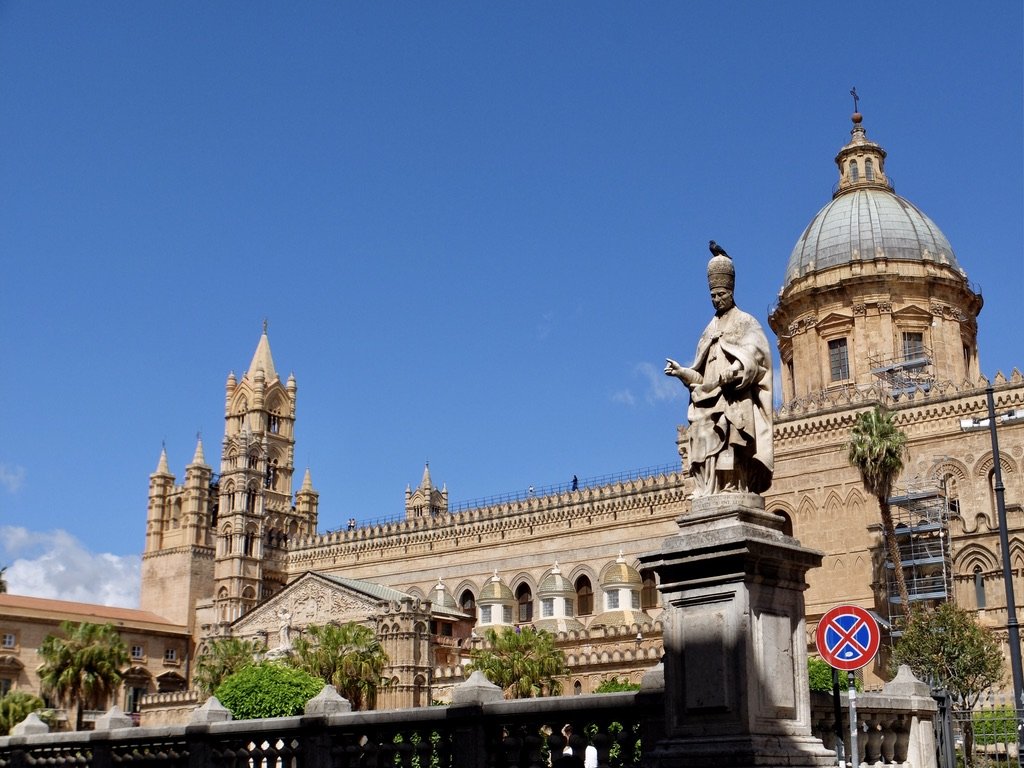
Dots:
pixel 736 687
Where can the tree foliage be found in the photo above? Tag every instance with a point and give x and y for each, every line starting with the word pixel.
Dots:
pixel 82 668
pixel 524 662
pixel 267 689
pixel 347 656
pixel 15 707
pixel 614 685
pixel 877 448
pixel 947 646
pixel 221 658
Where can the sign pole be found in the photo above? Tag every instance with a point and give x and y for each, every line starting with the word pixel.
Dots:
pixel 838 713
pixel 851 690
pixel 847 638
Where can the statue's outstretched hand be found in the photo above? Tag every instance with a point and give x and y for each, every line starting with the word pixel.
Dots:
pixel 688 376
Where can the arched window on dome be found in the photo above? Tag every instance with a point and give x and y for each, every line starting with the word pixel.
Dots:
pixel 839 359
pixel 854 171
pixel 525 599
pixel 869 169
pixel 584 596
pixel 979 587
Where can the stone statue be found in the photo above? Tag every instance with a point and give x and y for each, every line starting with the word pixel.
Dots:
pixel 730 432
pixel 284 633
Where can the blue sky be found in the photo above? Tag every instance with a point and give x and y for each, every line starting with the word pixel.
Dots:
pixel 476 229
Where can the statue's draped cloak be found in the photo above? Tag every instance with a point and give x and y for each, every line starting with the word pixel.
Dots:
pixel 739 413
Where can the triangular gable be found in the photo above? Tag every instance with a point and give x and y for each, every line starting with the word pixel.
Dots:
pixel 310 599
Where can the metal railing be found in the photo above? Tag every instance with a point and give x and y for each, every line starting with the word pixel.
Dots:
pixel 502 734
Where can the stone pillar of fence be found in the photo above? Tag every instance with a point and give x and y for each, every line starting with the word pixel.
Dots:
pixel 736 689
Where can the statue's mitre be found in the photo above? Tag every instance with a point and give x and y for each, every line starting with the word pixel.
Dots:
pixel 721 273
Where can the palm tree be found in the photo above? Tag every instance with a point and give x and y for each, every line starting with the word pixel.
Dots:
pixel 523 661
pixel 877 448
pixel 82 668
pixel 221 658
pixel 348 656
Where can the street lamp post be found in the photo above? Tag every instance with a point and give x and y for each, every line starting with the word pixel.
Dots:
pixel 1012 628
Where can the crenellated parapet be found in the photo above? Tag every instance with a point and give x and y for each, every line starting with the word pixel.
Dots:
pixel 619 502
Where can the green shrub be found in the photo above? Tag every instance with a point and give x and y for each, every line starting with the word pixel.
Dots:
pixel 615 686
pixel 994 726
pixel 819 675
pixel 267 690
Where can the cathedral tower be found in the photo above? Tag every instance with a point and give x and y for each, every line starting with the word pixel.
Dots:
pixel 177 564
pixel 257 517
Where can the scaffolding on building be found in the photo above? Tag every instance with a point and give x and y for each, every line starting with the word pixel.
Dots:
pixel 921 521
pixel 906 373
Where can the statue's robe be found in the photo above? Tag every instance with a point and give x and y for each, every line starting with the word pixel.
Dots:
pixel 730 411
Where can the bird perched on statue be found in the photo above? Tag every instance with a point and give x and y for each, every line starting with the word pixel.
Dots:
pixel 717 250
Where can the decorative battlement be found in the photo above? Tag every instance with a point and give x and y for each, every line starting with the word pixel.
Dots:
pixel 534 511
pixel 841 398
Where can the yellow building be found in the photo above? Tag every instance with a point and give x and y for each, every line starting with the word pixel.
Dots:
pixel 158 649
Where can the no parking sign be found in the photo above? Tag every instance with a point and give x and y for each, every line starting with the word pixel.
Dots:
pixel 847 637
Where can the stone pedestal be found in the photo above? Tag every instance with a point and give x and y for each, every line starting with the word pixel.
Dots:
pixel 736 690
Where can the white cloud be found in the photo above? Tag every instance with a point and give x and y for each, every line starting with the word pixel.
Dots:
pixel 624 396
pixel 659 386
pixel 56 565
pixel 544 326
pixel 12 478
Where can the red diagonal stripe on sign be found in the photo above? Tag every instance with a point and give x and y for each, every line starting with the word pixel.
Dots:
pixel 848 637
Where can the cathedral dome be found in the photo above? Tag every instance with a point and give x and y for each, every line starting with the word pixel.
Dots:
pixel 866 219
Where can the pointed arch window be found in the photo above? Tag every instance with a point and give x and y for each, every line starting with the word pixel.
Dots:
pixel 584 596
pixel 979 587
pixel 649 592
pixel 468 602
pixel 524 596
pixel 952 494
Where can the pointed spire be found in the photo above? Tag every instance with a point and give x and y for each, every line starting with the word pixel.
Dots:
pixel 307 481
pixel 162 468
pixel 199 458
pixel 262 360
pixel 425 482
